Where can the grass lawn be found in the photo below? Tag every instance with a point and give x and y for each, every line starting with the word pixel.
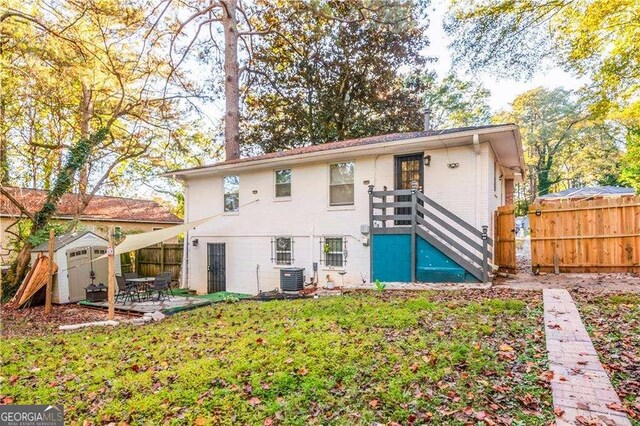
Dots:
pixel 411 358
pixel 613 321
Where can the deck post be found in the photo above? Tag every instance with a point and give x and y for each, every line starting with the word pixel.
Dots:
pixel 47 300
pixel 485 263
pixel 111 262
pixel 413 234
pixel 371 233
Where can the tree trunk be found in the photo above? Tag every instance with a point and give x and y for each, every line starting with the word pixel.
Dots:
pixel 4 161
pixel 544 182
pixel 232 80
pixel 86 112
pixel 78 156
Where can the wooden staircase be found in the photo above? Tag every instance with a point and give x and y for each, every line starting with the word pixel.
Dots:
pixel 409 211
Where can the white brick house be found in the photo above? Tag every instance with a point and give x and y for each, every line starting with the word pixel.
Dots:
pixel 315 206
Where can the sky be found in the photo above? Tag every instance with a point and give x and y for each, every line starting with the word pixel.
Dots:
pixel 503 91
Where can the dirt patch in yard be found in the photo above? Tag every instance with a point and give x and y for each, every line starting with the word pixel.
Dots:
pixel 34 322
pixel 613 321
pixel 597 283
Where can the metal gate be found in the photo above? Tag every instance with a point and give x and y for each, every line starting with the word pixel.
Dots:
pixel 216 267
pixel 505 239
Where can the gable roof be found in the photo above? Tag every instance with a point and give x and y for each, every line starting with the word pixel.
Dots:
pixel 593 191
pixel 100 208
pixel 353 143
pixel 65 239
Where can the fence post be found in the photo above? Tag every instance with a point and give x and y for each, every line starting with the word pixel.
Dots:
pixel 485 263
pixel 413 234
pixel 370 233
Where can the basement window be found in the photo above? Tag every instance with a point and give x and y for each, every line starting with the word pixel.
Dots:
pixel 231 193
pixel 333 251
pixel 282 250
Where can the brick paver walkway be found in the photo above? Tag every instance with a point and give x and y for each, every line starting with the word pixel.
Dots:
pixel 582 392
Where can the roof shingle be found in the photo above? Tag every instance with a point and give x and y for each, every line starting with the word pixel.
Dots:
pixel 345 144
pixel 99 208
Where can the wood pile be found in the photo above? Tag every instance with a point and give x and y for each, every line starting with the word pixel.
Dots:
pixel 34 281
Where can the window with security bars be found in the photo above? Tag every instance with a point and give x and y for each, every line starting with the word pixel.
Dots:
pixel 334 251
pixel 282 250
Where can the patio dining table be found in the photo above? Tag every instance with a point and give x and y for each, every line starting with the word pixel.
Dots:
pixel 143 283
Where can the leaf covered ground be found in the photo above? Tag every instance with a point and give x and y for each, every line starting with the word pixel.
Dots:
pixel 613 321
pixel 411 358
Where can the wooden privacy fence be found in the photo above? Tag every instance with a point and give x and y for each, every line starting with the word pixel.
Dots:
pixel 600 235
pixel 153 260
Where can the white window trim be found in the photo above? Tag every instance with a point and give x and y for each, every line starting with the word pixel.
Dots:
pixel 351 206
pixel 230 212
pixel 273 176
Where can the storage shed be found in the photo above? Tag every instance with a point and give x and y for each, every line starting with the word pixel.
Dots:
pixel 74 254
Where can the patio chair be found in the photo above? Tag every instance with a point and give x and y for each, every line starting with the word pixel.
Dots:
pixel 126 291
pixel 129 275
pixel 167 275
pixel 161 286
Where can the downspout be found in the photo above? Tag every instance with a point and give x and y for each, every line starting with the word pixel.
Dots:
pixel 311 257
pixel 476 148
pixel 185 250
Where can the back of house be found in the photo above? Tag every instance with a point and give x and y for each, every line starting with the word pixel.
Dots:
pixel 397 208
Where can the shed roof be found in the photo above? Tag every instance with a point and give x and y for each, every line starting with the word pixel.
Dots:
pixel 100 208
pixel 64 240
pixel 593 191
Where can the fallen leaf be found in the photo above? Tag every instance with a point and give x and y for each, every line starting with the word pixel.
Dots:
pixel 615 406
pixel 373 403
pixel 505 348
pixel 254 401
pixel 559 412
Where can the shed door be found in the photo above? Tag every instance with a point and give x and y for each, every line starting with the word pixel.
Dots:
pixel 78 272
pixel 100 267
pixel 216 267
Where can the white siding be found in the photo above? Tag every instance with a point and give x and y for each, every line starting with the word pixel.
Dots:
pixel 307 216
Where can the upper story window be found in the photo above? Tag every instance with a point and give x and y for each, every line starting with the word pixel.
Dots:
pixel 341 184
pixel 283 183
pixel 231 186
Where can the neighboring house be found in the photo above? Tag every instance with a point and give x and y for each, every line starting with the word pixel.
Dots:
pixel 325 205
pixel 126 215
pixel 587 193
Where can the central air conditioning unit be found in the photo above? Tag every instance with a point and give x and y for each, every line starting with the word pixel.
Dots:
pixel 291 279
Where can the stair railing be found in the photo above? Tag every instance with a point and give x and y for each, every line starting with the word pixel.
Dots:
pixel 452 235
